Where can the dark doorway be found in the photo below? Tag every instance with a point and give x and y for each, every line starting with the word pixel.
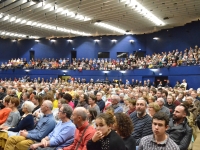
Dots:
pixel 162 79
pixel 73 55
pixel 139 54
pixel 32 55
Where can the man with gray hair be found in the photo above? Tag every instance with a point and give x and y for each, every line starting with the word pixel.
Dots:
pixel 115 99
pixel 44 126
pixel 161 102
pixel 141 121
pixel 63 133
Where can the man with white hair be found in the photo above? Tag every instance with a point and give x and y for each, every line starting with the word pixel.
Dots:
pixel 161 102
pixel 115 99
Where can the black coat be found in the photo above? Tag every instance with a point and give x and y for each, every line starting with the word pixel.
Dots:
pixel 180 134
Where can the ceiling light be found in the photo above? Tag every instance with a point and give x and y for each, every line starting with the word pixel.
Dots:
pixel 52 40
pixel 114 41
pixel 46 26
pixel 1 15
pixel 104 25
pixel 12 19
pixel 69 41
pixel 18 20
pixel 96 40
pixel 6 17
pixel 156 38
pixel 139 8
pixel 23 21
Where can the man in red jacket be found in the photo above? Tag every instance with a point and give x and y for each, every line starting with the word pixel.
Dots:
pixel 84 131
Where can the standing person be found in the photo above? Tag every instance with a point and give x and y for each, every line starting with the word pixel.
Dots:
pixel 124 127
pixel 141 121
pixel 105 137
pixel 159 139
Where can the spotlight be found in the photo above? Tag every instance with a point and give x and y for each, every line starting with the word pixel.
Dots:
pixel 156 38
pixel 114 41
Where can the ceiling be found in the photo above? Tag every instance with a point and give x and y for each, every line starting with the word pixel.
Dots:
pixel 66 18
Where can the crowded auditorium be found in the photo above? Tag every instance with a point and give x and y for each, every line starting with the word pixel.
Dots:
pixel 99 75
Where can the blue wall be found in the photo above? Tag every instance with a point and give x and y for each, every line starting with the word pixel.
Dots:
pixel 190 73
pixel 175 38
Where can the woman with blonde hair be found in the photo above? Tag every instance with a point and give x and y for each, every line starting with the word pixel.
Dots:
pixel 153 108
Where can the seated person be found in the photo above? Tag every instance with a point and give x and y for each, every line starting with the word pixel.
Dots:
pixel 44 126
pixel 63 133
pixel 124 127
pixel 84 131
pixel 14 115
pixel 5 111
pixel 159 139
pixel 179 130
pixel 26 123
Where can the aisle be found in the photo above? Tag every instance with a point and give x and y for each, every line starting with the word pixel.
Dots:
pixel 196 144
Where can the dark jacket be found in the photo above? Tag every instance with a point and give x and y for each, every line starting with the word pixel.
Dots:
pixel 180 134
pixel 101 104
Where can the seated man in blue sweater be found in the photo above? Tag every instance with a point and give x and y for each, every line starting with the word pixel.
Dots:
pixel 44 126
pixel 63 133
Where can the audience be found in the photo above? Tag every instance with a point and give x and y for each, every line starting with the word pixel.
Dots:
pixel 135 99
pixel 44 126
pixel 63 133
pixel 173 58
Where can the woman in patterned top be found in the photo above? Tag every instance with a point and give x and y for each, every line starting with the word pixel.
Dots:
pixel 105 138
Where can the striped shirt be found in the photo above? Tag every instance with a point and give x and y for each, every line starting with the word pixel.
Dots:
pixel 142 126
pixel 149 143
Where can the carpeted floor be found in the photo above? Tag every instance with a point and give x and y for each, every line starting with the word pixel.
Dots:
pixel 196 144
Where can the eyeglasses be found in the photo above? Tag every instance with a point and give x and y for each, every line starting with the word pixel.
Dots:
pixel 61 111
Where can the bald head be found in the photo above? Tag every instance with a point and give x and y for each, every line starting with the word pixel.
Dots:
pixel 82 112
pixel 49 104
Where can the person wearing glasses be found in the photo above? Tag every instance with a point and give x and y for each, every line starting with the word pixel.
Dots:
pixel 63 133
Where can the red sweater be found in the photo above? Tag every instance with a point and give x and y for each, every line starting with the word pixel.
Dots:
pixel 4 113
pixel 87 136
